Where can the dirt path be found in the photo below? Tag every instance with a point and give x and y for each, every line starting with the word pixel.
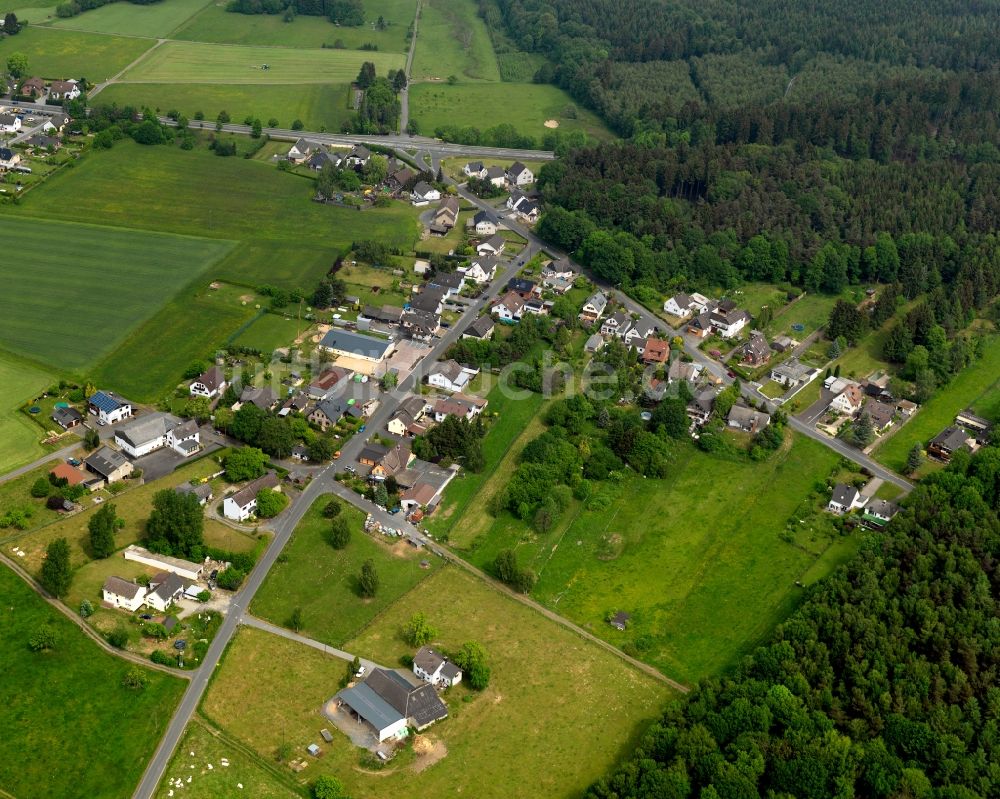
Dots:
pixel 101 86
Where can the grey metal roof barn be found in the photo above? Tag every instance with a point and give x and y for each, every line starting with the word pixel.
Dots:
pixel 355 344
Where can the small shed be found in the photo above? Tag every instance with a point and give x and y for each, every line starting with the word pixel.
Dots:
pixel 314 750
pixel 326 735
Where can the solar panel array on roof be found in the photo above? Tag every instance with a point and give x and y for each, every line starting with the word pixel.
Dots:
pixel 104 402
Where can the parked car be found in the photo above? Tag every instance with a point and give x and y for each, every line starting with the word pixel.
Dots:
pixel 360 672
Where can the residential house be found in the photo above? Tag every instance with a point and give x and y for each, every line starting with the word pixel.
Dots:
pixel 701 325
pixel 526 208
pixel 8 158
pixel 322 386
pixel 464 406
pixel 450 375
pixel 485 224
pixel 124 594
pixel 421 325
pixel 424 193
pixel 845 498
pixel 261 396
pixel 400 179
pixel 209 384
pixel 242 505
pixel 616 325
pixel 635 337
pixel 322 158
pixel 66 417
pixel 494 245
pixel 756 351
pixel 395 460
pixel 63 90
pixel 519 175
pixel 558 276
pixel 299 152
pixel 880 413
pixel 848 401
pixel 594 343
pixel 32 87
pixel 143 435
pixel 481 329
pixel 372 453
pixel 108 464
pixel 429 300
pixel 406 421
pixel 593 309
pixel 56 123
pixel 72 475
pixel 684 370
pixel 949 441
pixel 729 323
pixel 327 412
pixel 184 439
pixel 434 668
pixel 451 282
pixel 446 215
pixel 357 346
pixel 791 373
pixel 474 169
pixel 388 703
pixel 109 407
pixel 878 513
pixel 297 403
pixel 358 156
pixel 9 123
pixel 202 491
pixel 165 588
pixel 482 270
pixel 387 314
pixel 496 176
pixel 742 417
pixel 700 407
pixel 509 307
pixel 679 305
pixel 523 288
pixel 655 351
pixel 537 307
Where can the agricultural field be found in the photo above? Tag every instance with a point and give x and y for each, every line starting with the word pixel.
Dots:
pixel 452 40
pixel 322 581
pixel 702 560
pixel 19 436
pixel 318 106
pixel 155 21
pixel 202 746
pixel 526 106
pixel 199 62
pixel 63 54
pixel 70 708
pixel 215 24
pixel 976 386
pixel 94 280
pixel 485 737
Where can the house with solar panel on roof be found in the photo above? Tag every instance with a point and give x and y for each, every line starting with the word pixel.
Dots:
pixel 108 407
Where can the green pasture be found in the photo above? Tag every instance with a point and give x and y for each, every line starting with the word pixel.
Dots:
pixel 198 62
pixel 156 20
pixel 270 331
pixel 19 437
pixel 63 54
pixel 452 40
pixel 526 106
pixel 318 106
pixel 70 728
pixel 215 24
pixel 88 286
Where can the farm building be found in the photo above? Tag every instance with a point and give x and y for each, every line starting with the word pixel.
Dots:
pixel 388 702
pixel 109 464
pixel 182 568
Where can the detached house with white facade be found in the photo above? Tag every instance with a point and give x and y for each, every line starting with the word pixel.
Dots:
pixel 433 668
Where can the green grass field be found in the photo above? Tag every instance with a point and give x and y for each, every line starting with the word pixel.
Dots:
pixel 196 62
pixel 452 40
pixel 64 54
pixel 322 581
pixel 157 20
pixel 978 385
pixel 94 280
pixel 88 286
pixel 215 24
pixel 270 331
pixel 67 707
pixel 592 704
pixel 19 437
pixel 319 106
pixel 15 493
pixel 526 106
pixel 696 558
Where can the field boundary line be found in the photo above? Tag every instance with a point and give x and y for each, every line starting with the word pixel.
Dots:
pixel 101 86
pixel 86 628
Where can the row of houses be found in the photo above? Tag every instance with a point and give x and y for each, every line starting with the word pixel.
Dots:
pixel 517 175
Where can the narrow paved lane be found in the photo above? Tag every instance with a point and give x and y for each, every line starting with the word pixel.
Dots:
pixel 273 629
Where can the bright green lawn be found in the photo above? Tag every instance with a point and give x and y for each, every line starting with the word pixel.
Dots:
pixel 69 54
pixel 322 581
pixel 977 385
pixel 318 106
pixel 157 20
pixel 88 286
pixel 812 311
pixel 215 24
pixel 526 106
pixel 452 40
pixel 70 728
pixel 270 331
pixel 696 558
pixel 195 62
pixel 19 437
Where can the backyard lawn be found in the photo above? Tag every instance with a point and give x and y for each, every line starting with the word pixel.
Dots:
pixel 322 581
pixel 593 704
pixel 60 54
pixel 270 331
pixel 527 106
pixel 94 280
pixel 978 386
pixel 70 728
pixel 19 437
